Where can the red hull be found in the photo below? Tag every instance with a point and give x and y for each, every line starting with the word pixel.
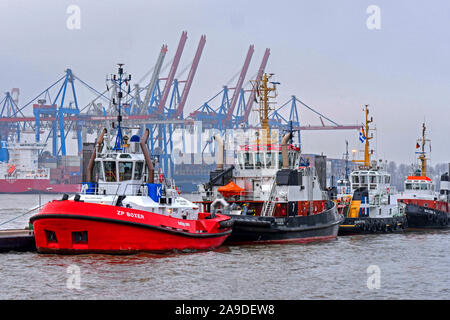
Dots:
pixel 111 229
pixel 431 204
pixel 35 186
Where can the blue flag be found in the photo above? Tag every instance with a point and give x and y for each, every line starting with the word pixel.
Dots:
pixel 362 137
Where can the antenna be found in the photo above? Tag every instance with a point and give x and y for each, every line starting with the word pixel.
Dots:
pixel 119 80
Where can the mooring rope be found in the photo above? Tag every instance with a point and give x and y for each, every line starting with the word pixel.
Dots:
pixel 21 215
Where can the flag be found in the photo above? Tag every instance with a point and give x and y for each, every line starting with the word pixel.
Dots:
pixel 362 137
pixel 417 145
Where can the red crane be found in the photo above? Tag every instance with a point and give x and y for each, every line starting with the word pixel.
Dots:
pixel 190 77
pixel 251 98
pixel 237 90
pixel 173 70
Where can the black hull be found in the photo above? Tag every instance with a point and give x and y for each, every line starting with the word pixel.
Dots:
pixel 426 218
pixel 17 240
pixel 367 225
pixel 300 229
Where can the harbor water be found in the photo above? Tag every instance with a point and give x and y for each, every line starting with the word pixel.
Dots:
pixel 411 265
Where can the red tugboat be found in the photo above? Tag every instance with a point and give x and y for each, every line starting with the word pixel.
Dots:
pixel 424 207
pixel 121 210
pixel 270 196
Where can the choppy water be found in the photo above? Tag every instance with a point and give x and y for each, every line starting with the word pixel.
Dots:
pixel 413 265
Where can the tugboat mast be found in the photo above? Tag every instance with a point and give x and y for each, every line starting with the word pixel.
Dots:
pixel 423 159
pixel 366 129
pixel 263 91
pixel 119 80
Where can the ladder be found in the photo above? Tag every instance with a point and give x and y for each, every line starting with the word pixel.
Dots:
pixel 269 205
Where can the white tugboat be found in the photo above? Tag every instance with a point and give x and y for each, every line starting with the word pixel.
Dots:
pixel 373 208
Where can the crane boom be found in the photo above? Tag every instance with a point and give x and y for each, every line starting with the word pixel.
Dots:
pixel 258 78
pixel 190 77
pixel 237 90
pixel 173 70
pixel 155 76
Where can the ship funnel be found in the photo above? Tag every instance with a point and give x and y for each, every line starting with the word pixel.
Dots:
pixel 97 148
pixel 284 152
pixel 148 160
pixel 220 151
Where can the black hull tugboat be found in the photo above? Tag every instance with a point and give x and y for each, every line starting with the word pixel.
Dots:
pixel 373 208
pixel 295 229
pixel 420 217
pixel 425 208
pixel 270 195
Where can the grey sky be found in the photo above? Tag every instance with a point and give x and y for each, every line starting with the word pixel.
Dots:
pixel 321 51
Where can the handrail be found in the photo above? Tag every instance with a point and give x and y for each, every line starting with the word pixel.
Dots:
pixel 268 205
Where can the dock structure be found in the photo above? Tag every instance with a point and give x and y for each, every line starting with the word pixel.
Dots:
pixel 57 110
pixel 19 240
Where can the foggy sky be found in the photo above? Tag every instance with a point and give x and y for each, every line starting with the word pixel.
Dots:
pixel 321 51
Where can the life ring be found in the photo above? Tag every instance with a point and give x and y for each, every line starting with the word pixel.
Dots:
pixel 161 178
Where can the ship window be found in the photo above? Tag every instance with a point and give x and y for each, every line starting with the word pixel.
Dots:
pixel 355 179
pixel 415 186
pixel 51 236
pixel 259 160
pixel 138 170
pixel 98 171
pixel 388 179
pixel 248 160
pixel 423 186
pixel 408 186
pixel 270 160
pixel 110 171
pixel 125 170
pixel 373 179
pixel 80 237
